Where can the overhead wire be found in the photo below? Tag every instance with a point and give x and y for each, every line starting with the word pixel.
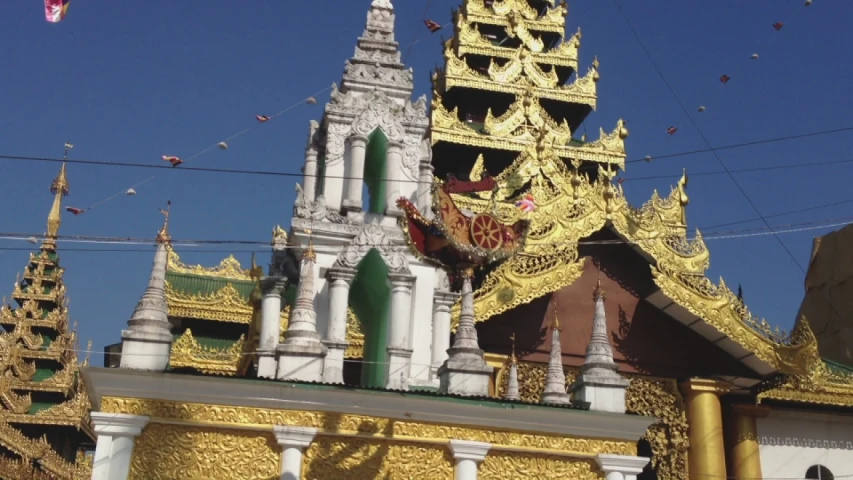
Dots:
pixel 329 247
pixel 106 163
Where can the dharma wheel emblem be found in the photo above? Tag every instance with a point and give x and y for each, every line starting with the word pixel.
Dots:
pixel 486 232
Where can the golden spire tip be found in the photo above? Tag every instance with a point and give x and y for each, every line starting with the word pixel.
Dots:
pixel 555 324
pixel 512 355
pixel 163 234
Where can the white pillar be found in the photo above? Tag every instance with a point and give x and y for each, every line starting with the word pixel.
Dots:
pixel 310 175
pixel 116 433
pixel 399 337
pixel 293 441
pixel 620 467
pixel 468 456
pixel 425 179
pixel 355 183
pixel 339 279
pixel 442 303
pixel 270 327
pixel 393 173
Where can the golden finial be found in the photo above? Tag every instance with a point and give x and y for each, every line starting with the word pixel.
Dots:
pixel 683 199
pixel 257 271
pixel 598 293
pixel 279 235
pixel 512 355
pixel 163 234
pixel 555 324
pixel 59 189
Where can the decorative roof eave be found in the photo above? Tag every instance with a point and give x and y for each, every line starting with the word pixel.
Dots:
pixel 835 396
pixel 570 207
pixel 608 149
pixel 223 305
pixel 469 41
pixel 229 268
pixel 457 73
pixel 499 13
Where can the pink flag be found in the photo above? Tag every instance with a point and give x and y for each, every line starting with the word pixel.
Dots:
pixel 55 10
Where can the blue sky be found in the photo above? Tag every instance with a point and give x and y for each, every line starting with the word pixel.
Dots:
pixel 130 81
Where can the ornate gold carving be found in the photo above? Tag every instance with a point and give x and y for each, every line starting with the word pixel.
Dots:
pixel 516 130
pixel 228 268
pixel 175 452
pixel 811 380
pixel 500 12
pixel 224 305
pixel 516 77
pixel 35 450
pixel 515 466
pixel 652 397
pixel 660 398
pixel 188 353
pixel 337 423
pixel 355 458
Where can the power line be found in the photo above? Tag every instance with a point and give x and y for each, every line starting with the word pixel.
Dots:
pixel 744 144
pixel 322 247
pixel 106 163
pixel 746 170
pixel 780 214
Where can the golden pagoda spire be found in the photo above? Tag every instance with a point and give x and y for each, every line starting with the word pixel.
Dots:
pixel 512 357
pixel 598 292
pixel 59 188
pixel 163 234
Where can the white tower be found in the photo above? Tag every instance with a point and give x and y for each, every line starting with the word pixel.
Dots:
pixel 147 342
pixel 367 151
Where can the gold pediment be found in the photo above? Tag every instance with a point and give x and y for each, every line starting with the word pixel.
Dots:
pixel 229 268
pixel 500 12
pixel 188 353
pixel 224 305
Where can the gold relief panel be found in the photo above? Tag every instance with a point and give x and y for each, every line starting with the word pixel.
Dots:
pixel 224 305
pixel 171 452
pixel 500 465
pixel 188 353
pixel 341 423
pixel 363 459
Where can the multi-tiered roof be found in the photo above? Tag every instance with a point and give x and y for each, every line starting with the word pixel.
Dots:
pixel 44 408
pixel 510 82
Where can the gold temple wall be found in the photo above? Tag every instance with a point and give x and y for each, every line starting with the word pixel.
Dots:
pixel 650 396
pixel 186 441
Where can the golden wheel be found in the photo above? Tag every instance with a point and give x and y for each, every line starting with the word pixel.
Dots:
pixel 486 232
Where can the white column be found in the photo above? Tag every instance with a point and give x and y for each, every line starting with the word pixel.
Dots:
pixel 442 303
pixel 393 173
pixel 355 183
pixel 468 456
pixel 339 279
pixel 399 337
pixel 293 441
pixel 424 202
pixel 310 175
pixel 620 467
pixel 270 327
pixel 116 433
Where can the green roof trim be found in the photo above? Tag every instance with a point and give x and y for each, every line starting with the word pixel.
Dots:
pixel 836 367
pixel 199 285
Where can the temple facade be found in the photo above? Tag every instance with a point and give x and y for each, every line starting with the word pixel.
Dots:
pixel 45 429
pixel 577 338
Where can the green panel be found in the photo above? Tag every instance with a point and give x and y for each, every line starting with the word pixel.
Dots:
pixel 46 342
pixel 321 174
pixel 43 374
pixel 39 406
pixel 369 299
pixel 195 284
pixel 374 170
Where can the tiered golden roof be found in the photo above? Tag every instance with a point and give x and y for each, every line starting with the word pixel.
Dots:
pixel 39 381
pixel 532 63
